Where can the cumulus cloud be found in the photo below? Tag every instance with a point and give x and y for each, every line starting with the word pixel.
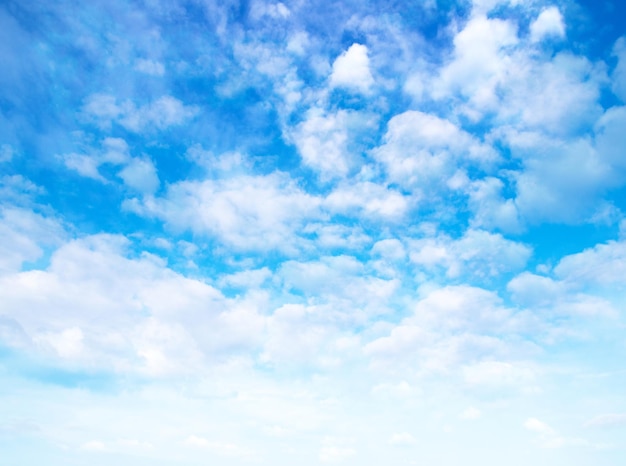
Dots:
pixel 343 280
pixel 124 314
pixel 549 23
pixel 327 141
pixel 368 199
pixel 137 173
pixel 330 237
pixel 351 69
pixel 448 331
pixel 477 253
pixel 322 143
pixel 604 265
pixel 24 236
pixel 246 212
pixel 480 62
pixel 421 150
pixel 491 210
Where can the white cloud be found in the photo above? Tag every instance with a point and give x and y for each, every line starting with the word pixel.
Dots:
pixel 604 264
pixel 550 438
pixel 67 343
pixel 160 114
pixel 273 10
pixel 113 151
pixel 322 142
pixel 140 174
pixel 481 7
pixel 561 181
pixel 391 249
pixel 150 67
pixel 549 296
pixel 558 96
pixel 490 208
pixel 610 140
pixel 328 142
pixel 85 165
pixel 337 236
pixel 477 252
pixel 462 308
pixel 619 74
pixel 296 336
pixel 165 348
pixel 97 307
pixel 298 43
pixel 497 375
pixel 103 108
pixel 23 236
pixel 352 70
pixel 420 150
pixel 535 290
pixel 245 212
pixel 367 199
pixel 247 279
pixel 548 24
pixel 447 331
pixel 480 62
pixel 339 277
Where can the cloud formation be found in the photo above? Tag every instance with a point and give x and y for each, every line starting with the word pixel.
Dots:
pixel 284 233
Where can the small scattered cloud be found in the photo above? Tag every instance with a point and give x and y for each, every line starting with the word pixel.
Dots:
pixel 351 70
pixel 548 24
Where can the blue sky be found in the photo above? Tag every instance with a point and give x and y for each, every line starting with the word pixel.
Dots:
pixel 364 233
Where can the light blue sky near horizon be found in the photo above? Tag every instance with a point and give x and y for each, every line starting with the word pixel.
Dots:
pixel 248 232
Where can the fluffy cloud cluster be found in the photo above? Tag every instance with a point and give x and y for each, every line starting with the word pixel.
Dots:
pixel 353 235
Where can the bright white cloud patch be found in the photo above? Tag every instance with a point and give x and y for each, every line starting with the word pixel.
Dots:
pixel 352 69
pixel 422 151
pixel 247 212
pixel 548 24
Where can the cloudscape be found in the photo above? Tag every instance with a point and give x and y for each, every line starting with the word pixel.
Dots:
pixel 359 233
